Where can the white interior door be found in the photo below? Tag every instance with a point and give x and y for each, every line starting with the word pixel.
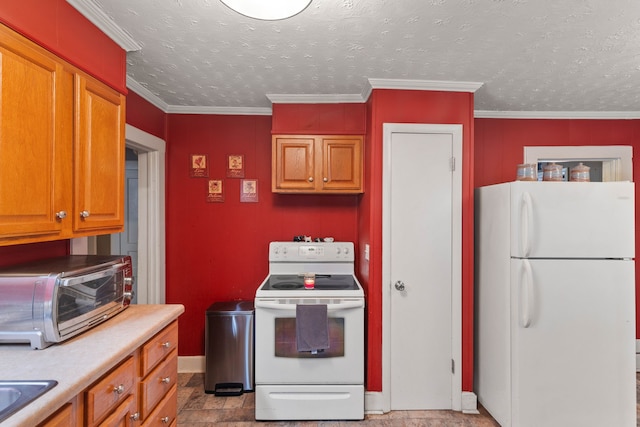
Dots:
pixel 423 210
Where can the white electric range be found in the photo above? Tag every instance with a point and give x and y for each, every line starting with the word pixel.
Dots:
pixel 327 384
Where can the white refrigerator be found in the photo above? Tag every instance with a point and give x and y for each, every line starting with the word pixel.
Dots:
pixel 555 303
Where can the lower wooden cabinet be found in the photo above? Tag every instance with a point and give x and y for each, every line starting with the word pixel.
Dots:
pixel 166 412
pixel 69 415
pixel 140 390
pixel 110 392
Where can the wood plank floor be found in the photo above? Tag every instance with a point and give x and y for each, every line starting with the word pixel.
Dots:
pixel 199 409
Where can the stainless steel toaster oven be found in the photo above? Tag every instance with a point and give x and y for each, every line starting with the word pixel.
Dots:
pixel 49 301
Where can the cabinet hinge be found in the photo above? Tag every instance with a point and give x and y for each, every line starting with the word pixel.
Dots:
pixel 453 366
pixel 452 164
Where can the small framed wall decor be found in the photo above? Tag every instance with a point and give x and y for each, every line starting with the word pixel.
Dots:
pixel 199 166
pixel 215 193
pixel 249 190
pixel 235 166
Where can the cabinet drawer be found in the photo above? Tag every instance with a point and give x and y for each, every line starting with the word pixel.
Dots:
pixel 156 385
pixel 158 347
pixel 107 393
pixel 122 416
pixel 165 413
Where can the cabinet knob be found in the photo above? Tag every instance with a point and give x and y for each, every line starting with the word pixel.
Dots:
pixel 119 389
pixel 84 214
pixel 310 179
pixel 165 420
pixel 165 380
pixel 61 215
pixel 166 344
pixel 326 179
pixel 135 416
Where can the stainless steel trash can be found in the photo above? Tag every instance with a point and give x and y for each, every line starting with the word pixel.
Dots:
pixel 229 348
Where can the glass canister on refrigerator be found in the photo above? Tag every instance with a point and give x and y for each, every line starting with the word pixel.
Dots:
pixel 580 173
pixel 552 172
pixel 527 172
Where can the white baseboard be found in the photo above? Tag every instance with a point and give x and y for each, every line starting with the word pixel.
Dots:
pixel 191 364
pixel 469 403
pixel 373 402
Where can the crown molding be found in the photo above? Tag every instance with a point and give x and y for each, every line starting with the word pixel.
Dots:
pixel 315 98
pixel 136 87
pixel 329 99
pixel 146 94
pixel 101 20
pixel 232 111
pixel 438 85
pixel 594 115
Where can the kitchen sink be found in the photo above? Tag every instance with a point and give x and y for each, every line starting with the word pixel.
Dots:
pixel 15 395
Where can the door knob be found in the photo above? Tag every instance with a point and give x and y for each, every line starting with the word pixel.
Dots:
pixel 399 285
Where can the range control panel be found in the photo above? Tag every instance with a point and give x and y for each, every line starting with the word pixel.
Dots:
pixel 307 251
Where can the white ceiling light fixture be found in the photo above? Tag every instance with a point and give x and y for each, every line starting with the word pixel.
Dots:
pixel 271 10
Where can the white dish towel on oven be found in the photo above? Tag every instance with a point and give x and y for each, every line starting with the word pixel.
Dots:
pixel 312 327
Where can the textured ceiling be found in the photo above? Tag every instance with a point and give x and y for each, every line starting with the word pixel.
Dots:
pixel 530 55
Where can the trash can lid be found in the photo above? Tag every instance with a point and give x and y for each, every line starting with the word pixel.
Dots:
pixel 231 307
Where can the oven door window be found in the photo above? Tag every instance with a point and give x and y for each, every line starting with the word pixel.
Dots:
pixel 285 339
pixel 78 298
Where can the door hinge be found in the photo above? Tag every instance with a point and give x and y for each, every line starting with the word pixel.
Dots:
pixel 452 164
pixel 453 366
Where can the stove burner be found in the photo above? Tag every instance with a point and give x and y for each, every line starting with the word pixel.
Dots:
pixel 287 285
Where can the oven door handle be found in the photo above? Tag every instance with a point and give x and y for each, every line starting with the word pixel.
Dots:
pixel 330 307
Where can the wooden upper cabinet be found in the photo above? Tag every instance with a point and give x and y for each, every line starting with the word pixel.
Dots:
pixel 35 133
pixel 99 156
pixel 61 147
pixel 293 164
pixel 317 164
pixel 342 163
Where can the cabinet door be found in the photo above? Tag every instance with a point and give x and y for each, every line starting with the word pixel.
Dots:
pixel 341 164
pixel 293 164
pixel 35 134
pixel 99 157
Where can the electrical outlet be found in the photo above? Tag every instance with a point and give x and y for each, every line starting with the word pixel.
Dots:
pixel 366 252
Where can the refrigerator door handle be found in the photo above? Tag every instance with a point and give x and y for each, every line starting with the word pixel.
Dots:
pixel 526 223
pixel 526 294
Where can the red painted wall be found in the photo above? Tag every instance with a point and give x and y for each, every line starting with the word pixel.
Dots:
pixel 219 251
pixel 145 116
pixel 60 28
pixel 499 147
pixel 323 119
pixel 17 254
pixel 392 106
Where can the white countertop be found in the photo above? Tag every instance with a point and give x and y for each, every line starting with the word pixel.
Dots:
pixel 80 361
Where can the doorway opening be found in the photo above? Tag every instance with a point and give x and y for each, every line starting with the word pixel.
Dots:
pixel 151 275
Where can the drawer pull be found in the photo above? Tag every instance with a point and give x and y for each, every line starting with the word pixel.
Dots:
pixel 119 389
pixel 165 420
pixel 166 344
pixel 135 417
pixel 84 214
pixel 165 380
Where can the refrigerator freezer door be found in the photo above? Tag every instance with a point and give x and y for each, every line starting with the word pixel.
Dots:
pixel 572 219
pixel 573 343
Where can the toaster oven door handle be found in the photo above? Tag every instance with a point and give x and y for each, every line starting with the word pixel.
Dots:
pixel 331 307
pixel 75 280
